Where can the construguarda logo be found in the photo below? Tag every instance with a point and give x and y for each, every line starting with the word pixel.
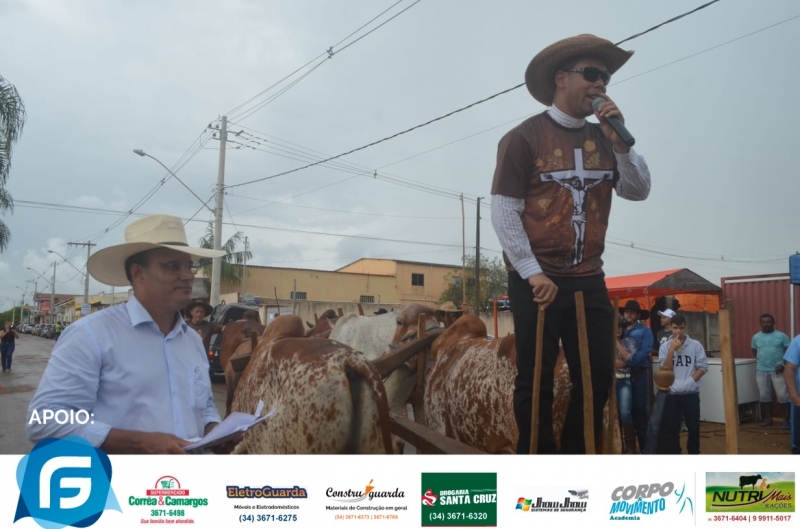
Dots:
pixel 64 482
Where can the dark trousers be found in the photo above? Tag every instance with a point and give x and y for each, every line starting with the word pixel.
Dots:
pixel 640 388
pixel 561 323
pixel 7 351
pixel 689 406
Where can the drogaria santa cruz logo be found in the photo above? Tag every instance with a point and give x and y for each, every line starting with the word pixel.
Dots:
pixel 64 482
pixel 459 499
pixel 750 492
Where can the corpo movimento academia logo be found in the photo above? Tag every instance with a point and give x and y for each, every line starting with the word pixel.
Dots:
pixel 64 482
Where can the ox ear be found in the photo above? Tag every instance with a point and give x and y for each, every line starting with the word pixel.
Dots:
pixel 309 325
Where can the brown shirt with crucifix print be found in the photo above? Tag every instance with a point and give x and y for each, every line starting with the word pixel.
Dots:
pixel 566 177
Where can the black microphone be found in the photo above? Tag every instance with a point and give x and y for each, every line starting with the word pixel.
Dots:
pixel 616 124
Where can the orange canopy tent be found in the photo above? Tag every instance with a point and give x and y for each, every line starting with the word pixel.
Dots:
pixel 692 291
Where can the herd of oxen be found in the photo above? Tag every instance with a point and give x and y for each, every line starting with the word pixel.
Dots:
pixel 336 383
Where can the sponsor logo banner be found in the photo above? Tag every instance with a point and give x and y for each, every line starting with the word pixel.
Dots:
pixel 652 500
pixel 372 502
pixel 559 500
pixel 64 482
pixel 760 492
pixel 459 499
pixel 167 501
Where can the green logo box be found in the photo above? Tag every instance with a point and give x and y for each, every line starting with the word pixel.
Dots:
pixel 459 499
pixel 759 492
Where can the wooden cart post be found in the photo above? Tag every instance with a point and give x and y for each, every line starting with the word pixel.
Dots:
pixel 537 383
pixel 586 375
pixel 729 392
pixel 419 389
pixel 609 433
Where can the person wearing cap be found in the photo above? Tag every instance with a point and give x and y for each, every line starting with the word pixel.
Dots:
pixel 641 366
pixel 137 368
pixel 768 347
pixel 448 313
pixel 665 334
pixel 197 312
pixel 551 199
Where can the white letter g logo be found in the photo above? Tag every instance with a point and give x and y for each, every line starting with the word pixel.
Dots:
pixel 84 485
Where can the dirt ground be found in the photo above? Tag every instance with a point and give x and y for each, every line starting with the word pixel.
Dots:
pixel 753 439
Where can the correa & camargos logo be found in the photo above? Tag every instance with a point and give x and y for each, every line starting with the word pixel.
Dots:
pixel 167 491
pixel 750 492
pixel 64 482
pixel 266 492
pixel 631 502
pixel 369 492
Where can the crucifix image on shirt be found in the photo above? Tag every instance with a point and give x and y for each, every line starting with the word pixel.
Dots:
pixel 578 182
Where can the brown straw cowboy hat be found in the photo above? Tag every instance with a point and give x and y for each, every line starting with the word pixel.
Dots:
pixel 148 233
pixel 448 306
pixel 540 75
pixel 197 303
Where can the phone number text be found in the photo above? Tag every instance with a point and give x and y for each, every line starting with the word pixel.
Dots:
pixel 260 518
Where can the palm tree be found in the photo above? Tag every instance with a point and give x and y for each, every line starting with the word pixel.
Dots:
pixel 231 272
pixel 12 120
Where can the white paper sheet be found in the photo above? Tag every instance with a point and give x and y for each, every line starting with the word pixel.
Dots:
pixel 234 424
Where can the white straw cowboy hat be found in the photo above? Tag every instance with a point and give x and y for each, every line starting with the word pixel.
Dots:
pixel 149 233
pixel 540 75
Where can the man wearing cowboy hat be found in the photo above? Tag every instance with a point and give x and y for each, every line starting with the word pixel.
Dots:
pixel 641 366
pixel 551 198
pixel 448 313
pixel 137 368
pixel 197 311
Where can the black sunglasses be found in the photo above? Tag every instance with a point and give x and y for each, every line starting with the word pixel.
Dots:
pixel 591 74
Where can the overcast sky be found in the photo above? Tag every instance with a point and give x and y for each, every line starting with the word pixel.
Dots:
pixel 99 79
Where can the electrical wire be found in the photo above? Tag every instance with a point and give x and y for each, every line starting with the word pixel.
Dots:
pixel 327 54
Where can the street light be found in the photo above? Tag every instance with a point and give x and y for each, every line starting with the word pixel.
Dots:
pixel 86 282
pixel 142 153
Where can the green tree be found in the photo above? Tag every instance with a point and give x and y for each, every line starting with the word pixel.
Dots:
pixel 494 282
pixel 231 272
pixel 12 120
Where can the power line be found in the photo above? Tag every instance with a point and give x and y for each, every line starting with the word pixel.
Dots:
pixel 406 131
pixel 325 56
pixel 673 19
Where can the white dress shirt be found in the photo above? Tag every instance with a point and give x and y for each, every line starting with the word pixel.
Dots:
pixel 633 184
pixel 117 365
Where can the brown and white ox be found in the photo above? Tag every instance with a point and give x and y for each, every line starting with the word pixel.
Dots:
pixel 236 339
pixel 323 326
pixel 375 336
pixel 469 389
pixel 329 398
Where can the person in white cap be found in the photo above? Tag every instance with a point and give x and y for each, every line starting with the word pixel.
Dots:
pixel 551 199
pixel 137 368
pixel 665 334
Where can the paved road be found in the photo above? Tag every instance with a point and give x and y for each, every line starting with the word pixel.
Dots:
pixel 18 387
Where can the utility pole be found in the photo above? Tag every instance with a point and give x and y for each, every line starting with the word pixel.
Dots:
pixel 216 263
pixel 244 264
pixel 294 296
pixel 478 260
pixel 463 254
pixel 86 274
pixel 53 294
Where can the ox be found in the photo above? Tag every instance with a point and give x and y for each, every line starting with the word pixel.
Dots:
pixel 323 325
pixel 373 335
pixel 330 399
pixel 470 386
pixel 236 338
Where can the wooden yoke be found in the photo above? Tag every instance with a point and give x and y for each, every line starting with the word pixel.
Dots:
pixel 391 361
pixel 586 375
pixel 419 390
pixel 360 310
pixel 537 383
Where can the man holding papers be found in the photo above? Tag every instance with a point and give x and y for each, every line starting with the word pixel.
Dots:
pixel 137 369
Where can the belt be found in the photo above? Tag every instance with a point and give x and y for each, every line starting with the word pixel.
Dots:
pixel 619 375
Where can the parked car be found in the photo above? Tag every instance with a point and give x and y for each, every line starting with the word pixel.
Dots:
pixel 223 315
pixel 37 330
pixel 49 331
